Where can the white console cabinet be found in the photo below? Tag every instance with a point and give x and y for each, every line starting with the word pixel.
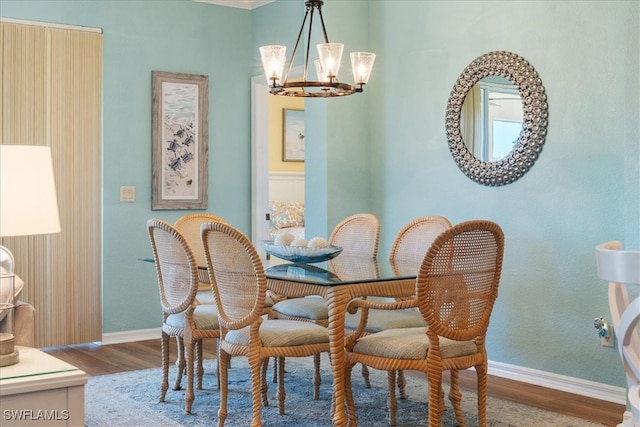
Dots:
pixel 41 390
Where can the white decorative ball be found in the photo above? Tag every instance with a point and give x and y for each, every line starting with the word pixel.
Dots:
pixel 318 242
pixel 300 243
pixel 284 239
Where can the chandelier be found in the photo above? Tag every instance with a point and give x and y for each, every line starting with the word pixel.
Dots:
pixel 327 66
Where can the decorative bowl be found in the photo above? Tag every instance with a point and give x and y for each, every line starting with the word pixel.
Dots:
pixel 301 254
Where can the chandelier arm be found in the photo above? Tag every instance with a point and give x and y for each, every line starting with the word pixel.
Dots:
pixel 306 57
pixel 324 30
pixel 295 48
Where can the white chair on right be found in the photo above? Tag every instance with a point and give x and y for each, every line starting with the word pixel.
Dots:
pixel 622 268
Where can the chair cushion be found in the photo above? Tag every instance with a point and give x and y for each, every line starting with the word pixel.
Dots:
pixel 206 297
pixel 409 343
pixel 312 308
pixel 380 320
pixel 205 316
pixel 282 333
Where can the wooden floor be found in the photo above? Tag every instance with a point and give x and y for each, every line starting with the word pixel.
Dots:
pixel 97 359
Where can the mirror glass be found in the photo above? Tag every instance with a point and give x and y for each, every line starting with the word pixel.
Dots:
pixel 497 118
pixel 491 118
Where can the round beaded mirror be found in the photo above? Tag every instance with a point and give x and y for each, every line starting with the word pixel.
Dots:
pixel 527 145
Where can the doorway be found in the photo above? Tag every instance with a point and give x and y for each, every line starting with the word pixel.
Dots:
pixel 260 151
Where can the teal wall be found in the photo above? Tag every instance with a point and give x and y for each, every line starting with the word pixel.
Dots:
pixel 176 36
pixel 583 190
pixel 386 152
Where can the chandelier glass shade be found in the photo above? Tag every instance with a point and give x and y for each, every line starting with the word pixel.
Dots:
pixel 326 67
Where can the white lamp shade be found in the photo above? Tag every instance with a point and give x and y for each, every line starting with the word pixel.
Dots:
pixel 330 56
pixel 28 202
pixel 362 64
pixel 273 59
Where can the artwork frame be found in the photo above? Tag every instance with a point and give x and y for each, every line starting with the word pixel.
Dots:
pixel 180 110
pixel 292 135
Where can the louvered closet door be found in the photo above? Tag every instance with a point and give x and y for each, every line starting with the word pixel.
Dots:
pixel 51 94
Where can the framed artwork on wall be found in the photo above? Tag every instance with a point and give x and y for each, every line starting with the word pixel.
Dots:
pixel 180 140
pixel 292 135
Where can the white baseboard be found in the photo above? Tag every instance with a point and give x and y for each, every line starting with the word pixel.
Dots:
pixel 517 373
pixel 564 383
pixel 131 336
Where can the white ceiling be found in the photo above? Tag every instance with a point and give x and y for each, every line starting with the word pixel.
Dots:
pixel 240 4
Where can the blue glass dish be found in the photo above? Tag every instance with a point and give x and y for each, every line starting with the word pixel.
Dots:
pixel 301 254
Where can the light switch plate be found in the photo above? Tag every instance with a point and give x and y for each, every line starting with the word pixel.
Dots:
pixel 128 193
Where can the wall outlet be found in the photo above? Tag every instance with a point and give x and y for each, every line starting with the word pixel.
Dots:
pixel 605 331
pixel 607 341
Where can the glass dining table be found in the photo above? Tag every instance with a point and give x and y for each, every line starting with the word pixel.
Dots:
pixel 339 281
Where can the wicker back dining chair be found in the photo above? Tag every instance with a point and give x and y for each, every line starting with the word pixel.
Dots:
pixel 406 254
pixel 357 235
pixel 182 317
pixel 239 284
pixel 414 239
pixel 189 226
pixel 456 289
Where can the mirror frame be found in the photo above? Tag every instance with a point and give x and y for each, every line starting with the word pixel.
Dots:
pixel 534 124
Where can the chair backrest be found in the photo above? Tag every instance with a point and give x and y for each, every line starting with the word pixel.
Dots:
pixel 617 265
pixel 357 235
pixel 189 226
pixel 458 280
pixel 175 266
pixel 414 239
pixel 621 268
pixel 236 274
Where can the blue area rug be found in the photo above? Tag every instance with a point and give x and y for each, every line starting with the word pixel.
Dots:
pixel 131 399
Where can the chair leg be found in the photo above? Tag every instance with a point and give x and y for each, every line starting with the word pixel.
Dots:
pixel 275 370
pixel 199 361
pixel 392 403
pixel 402 385
pixel 317 379
pixel 351 407
pixel 164 350
pixel 254 365
pixel 481 372
pixel 455 397
pixel 223 370
pixel 435 396
pixel 281 394
pixel 365 375
pixel 264 388
pixel 189 344
pixel 180 363
pixel 217 364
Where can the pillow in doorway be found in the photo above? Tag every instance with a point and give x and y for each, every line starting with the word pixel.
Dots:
pixel 287 214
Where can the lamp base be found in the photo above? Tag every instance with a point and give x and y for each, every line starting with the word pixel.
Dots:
pixel 8 354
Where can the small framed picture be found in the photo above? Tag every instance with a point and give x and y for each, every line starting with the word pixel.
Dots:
pixel 292 135
pixel 180 141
